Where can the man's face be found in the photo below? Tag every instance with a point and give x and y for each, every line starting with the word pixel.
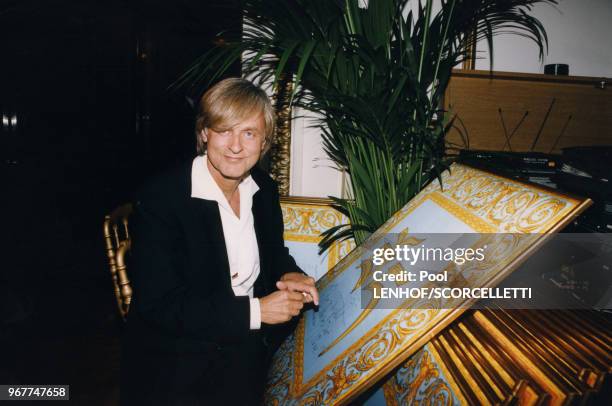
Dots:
pixel 232 152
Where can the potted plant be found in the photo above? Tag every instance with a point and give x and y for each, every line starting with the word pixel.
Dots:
pixel 375 74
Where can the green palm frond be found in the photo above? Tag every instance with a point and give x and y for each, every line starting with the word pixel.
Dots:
pixel 376 76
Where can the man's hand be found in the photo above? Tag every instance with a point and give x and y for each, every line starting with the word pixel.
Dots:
pixel 280 306
pixel 298 282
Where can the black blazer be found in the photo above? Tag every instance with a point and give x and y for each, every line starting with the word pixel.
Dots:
pixel 183 302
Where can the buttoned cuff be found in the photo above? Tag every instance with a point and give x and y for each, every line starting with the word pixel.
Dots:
pixel 255 314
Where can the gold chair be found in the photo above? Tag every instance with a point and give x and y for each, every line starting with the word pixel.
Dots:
pixel 117 239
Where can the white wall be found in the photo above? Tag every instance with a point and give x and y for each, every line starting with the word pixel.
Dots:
pixel 313 174
pixel 579 32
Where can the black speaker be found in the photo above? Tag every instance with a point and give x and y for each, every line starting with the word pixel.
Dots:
pixel 560 69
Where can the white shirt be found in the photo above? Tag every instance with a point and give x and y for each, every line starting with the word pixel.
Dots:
pixel 239 233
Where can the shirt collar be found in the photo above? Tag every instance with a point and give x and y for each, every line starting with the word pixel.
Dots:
pixel 203 186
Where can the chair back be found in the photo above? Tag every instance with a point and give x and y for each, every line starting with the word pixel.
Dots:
pixel 117 241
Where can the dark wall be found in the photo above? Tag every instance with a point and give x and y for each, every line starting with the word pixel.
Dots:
pixel 83 85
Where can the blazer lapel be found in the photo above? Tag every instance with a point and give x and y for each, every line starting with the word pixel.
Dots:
pixel 259 214
pixel 212 228
pixel 262 284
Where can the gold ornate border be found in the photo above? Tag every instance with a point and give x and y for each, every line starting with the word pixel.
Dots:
pixel 280 150
pixel 298 388
pixel 435 325
pixel 298 204
pixel 430 364
pixel 468 218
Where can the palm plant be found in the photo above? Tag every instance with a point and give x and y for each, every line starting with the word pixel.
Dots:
pixel 375 75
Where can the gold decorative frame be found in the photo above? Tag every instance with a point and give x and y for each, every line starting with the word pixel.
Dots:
pixel 489 203
pixel 305 218
pixel 427 382
pixel 280 151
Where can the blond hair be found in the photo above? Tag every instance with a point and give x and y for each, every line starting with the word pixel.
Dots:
pixel 229 102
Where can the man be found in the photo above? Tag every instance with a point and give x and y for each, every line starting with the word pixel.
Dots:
pixel 215 290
